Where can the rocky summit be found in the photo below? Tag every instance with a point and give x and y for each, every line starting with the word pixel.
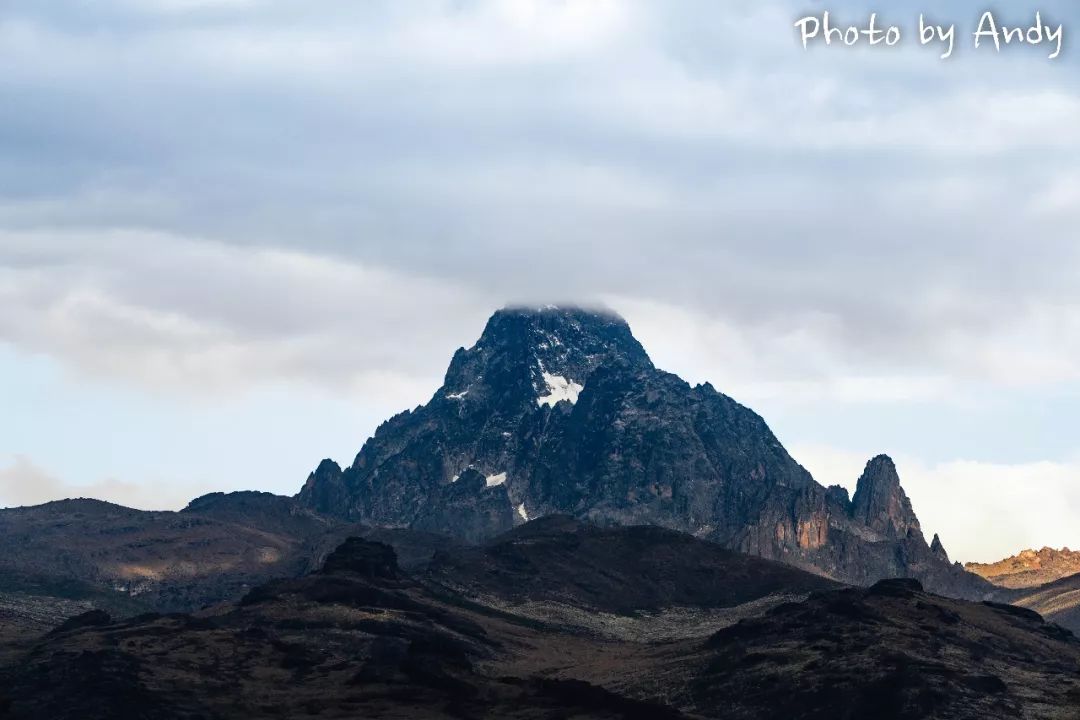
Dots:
pixel 561 411
pixel 1030 568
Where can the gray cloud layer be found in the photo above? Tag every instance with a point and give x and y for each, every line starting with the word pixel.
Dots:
pixel 241 189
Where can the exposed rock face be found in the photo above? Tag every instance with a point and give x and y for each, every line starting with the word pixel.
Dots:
pixel 478 507
pixel 489 416
pixel 881 504
pixel 1046 581
pixel 325 488
pixel 562 412
pixel 1030 568
pixel 938 549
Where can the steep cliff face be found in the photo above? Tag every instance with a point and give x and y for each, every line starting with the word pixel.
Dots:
pixel 938 549
pixel 873 535
pixel 880 503
pixel 497 405
pixel 478 506
pixel 561 411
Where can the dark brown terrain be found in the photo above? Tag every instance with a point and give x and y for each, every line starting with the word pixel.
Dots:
pixel 1046 581
pixel 635 583
pixel 1058 601
pixel 67 557
pixel 362 638
pixel 162 560
pixel 893 651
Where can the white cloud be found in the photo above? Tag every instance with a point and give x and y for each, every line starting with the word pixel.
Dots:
pixel 1061 195
pixel 179 313
pixel 807 355
pixel 983 511
pixel 168 310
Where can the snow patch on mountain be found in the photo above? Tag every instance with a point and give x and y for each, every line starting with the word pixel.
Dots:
pixel 496 480
pixel 559 389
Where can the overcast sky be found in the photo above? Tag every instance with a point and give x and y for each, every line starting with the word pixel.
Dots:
pixel 235 235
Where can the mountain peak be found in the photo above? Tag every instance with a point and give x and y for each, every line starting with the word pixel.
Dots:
pixel 540 356
pixel 884 463
pixel 559 410
pixel 879 501
pixel 938 549
pixel 561 327
pixel 597 311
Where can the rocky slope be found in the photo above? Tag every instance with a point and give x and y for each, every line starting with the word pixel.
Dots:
pixel 362 638
pixel 561 411
pixel 1029 568
pixel 641 582
pixel 891 651
pixel 64 557
pixel 1046 581
pixel 1058 601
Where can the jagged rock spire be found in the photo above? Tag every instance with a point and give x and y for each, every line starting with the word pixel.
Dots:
pixel 325 488
pixel 880 503
pixel 938 549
